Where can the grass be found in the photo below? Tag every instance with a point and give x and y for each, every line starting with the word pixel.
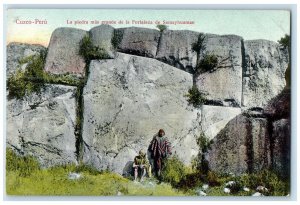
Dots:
pixel 25 177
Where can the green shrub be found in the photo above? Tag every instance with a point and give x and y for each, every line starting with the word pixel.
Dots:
pixel 31 80
pixel 190 181
pixel 200 44
pixel 285 41
pixel 208 63
pixel 161 27
pixel 196 97
pixel 23 165
pixel 276 185
pixel 204 143
pixel 64 79
pixel 173 171
pixel 117 38
pixel 89 52
pixel 212 179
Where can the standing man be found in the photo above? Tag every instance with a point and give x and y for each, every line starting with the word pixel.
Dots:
pixel 160 149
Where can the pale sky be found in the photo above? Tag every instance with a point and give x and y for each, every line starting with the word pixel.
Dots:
pixel 250 24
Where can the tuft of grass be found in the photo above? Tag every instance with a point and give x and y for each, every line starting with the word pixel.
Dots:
pixel 196 97
pixel 276 186
pixel 24 166
pixel 200 44
pixel 117 38
pixel 207 64
pixel 31 80
pixel 173 171
pixel 34 78
pixel 89 52
pixel 162 27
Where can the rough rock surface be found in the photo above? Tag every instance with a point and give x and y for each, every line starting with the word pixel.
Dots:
pixel 255 140
pixel 138 41
pixel 126 101
pixel 42 125
pixel 280 106
pixel 16 52
pixel 214 118
pixel 175 48
pixel 281 137
pixel 242 146
pixel 224 83
pixel 101 37
pixel 264 74
pixel 63 52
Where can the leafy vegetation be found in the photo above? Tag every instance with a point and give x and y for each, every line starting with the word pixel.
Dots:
pixel 208 63
pixel 23 166
pixel 196 97
pixel 117 38
pixel 204 143
pixel 161 27
pixel 31 80
pixel 34 78
pixel 173 171
pixel 25 177
pixel 286 42
pixel 200 44
pixel 89 51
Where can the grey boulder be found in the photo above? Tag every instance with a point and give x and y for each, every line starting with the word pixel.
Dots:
pixel 138 41
pixel 63 52
pixel 264 74
pixel 215 118
pixel 42 125
pixel 176 49
pixel 101 37
pixel 126 101
pixel 223 83
pixel 16 52
pixel 242 146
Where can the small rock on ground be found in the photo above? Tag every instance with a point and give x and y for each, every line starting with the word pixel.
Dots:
pixel 74 176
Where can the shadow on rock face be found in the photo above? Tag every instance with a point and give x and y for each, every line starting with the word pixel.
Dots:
pixel 127 170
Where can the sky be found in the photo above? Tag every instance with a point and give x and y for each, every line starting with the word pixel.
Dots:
pixel 250 24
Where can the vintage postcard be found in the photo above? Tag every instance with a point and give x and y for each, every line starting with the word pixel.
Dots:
pixel 148 102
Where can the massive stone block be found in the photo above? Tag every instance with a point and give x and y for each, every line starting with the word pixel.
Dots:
pixel 63 52
pixel 281 137
pixel 126 101
pixel 224 83
pixel 215 118
pixel 43 124
pixel 264 74
pixel 101 37
pixel 138 41
pixel 176 48
pixel 16 52
pixel 242 146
